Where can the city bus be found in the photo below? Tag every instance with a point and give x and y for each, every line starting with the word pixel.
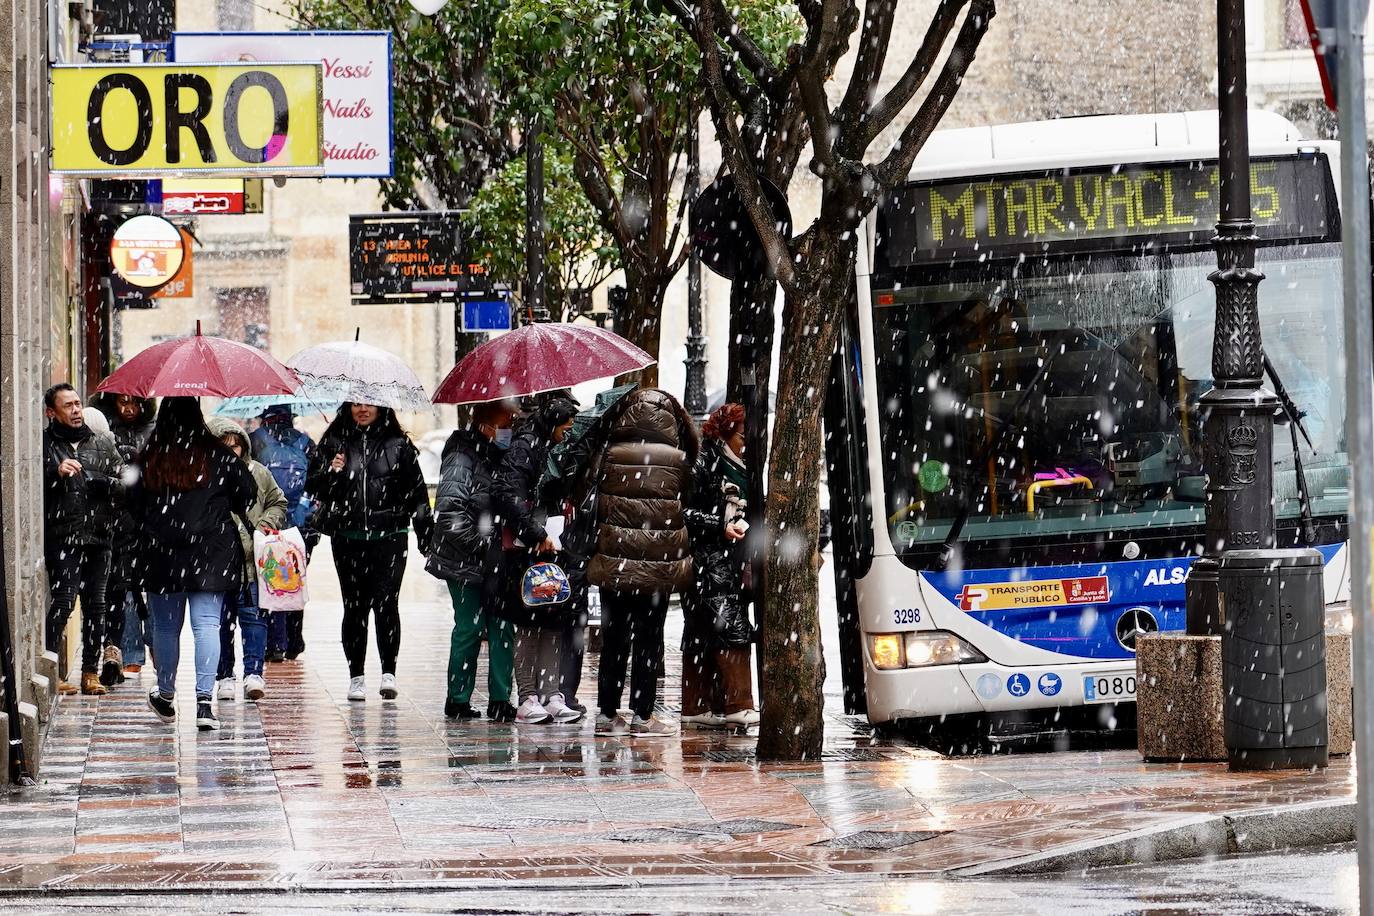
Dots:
pixel 1014 440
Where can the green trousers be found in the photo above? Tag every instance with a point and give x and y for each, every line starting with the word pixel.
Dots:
pixel 470 621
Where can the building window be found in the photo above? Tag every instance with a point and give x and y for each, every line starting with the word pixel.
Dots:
pixel 234 15
pixel 245 315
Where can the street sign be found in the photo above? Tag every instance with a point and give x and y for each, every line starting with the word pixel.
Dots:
pixel 724 234
pixel 211 196
pixel 486 315
pixel 413 257
pixel 152 120
pixel 357 86
pixel 147 251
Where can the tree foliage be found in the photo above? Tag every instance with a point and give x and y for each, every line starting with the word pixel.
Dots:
pixel 753 100
pixel 451 122
pixel 580 254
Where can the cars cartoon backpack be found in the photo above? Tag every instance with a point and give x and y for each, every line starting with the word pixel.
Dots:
pixel 545 584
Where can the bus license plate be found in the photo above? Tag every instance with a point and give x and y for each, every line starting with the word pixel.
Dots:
pixel 1113 687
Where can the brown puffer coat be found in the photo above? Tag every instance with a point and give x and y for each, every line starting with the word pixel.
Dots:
pixel 645 478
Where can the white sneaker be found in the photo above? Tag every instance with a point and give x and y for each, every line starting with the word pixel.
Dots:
pixel 254 687
pixel 611 728
pixel 388 690
pixel 357 689
pixel 745 718
pixel 562 713
pixel 705 720
pixel 224 689
pixel 652 727
pixel 532 712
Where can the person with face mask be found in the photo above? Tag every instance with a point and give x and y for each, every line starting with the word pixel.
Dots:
pixel 539 629
pixel 366 477
pixel 80 486
pixel 465 551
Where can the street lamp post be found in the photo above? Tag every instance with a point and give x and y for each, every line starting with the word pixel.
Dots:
pixel 1266 603
pixel 694 395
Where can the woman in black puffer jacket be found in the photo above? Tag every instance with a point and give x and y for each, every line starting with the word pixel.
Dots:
pixel 717 678
pixel 643 554
pixel 465 551
pixel 366 476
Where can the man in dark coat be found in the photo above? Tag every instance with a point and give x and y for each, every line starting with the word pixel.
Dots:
pixel 80 487
pixel 643 554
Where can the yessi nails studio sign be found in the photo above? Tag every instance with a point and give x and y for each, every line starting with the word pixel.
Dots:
pixel 357 86
pixel 152 120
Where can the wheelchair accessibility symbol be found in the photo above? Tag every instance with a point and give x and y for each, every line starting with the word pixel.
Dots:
pixel 1018 685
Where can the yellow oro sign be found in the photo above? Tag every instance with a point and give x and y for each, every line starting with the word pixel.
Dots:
pixel 147 251
pixel 152 120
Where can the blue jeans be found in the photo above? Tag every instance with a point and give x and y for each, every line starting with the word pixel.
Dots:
pixel 252 622
pixel 138 633
pixel 168 614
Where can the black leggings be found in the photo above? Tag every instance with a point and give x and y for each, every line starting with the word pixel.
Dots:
pixel 631 632
pixel 370 574
pixel 84 571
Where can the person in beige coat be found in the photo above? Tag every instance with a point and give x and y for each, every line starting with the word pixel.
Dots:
pixel 267 513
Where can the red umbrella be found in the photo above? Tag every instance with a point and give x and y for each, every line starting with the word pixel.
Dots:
pixel 537 358
pixel 201 366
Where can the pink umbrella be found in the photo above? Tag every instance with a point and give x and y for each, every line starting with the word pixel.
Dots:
pixel 200 366
pixel 538 358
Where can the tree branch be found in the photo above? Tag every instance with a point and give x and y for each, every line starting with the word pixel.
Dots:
pixel 897 164
pixel 903 91
pixel 868 64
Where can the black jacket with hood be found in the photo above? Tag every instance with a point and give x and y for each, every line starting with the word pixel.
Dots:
pixel 80 510
pixel 466 544
pixel 381 489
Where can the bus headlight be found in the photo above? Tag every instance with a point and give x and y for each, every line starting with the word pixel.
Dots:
pixel 887 651
pixel 938 648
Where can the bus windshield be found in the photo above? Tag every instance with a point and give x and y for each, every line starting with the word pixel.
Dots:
pixel 1058 393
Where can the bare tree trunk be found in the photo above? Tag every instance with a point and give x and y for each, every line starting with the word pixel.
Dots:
pixel 642 319
pixel 793 663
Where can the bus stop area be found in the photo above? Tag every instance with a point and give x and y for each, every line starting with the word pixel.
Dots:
pixel 304 790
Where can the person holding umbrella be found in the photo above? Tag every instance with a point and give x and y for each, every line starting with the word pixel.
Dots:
pixel 189 491
pixel 366 477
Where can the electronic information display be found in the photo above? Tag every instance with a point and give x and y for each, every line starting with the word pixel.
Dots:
pixel 924 222
pixel 412 257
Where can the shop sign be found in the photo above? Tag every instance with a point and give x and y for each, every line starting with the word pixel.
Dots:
pixel 149 120
pixel 147 251
pixel 357 86
pixel 182 284
pixel 211 196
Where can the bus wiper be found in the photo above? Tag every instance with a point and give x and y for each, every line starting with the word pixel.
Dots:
pixel 956 528
pixel 1307 529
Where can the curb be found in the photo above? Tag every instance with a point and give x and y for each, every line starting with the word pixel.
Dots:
pixel 1321 823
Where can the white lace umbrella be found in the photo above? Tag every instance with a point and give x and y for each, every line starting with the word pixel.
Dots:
pixel 361 373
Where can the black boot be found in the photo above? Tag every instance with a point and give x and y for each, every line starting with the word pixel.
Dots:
pixel 500 712
pixel 455 710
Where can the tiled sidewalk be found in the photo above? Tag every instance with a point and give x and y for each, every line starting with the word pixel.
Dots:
pixel 307 790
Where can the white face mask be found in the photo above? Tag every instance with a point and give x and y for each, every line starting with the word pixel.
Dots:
pixel 502 438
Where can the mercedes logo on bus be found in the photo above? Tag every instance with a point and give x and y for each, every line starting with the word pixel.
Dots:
pixel 1135 622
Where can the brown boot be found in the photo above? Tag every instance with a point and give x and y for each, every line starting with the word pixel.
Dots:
pixel 91 686
pixel 65 689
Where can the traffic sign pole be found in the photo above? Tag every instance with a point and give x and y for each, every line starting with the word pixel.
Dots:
pixel 1359 387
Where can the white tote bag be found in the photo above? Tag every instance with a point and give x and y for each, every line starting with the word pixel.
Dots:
pixel 280 561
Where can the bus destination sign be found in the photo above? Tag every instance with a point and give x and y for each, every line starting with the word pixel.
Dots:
pixel 414 257
pixel 1172 202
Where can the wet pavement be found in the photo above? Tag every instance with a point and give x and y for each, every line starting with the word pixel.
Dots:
pixel 306 790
